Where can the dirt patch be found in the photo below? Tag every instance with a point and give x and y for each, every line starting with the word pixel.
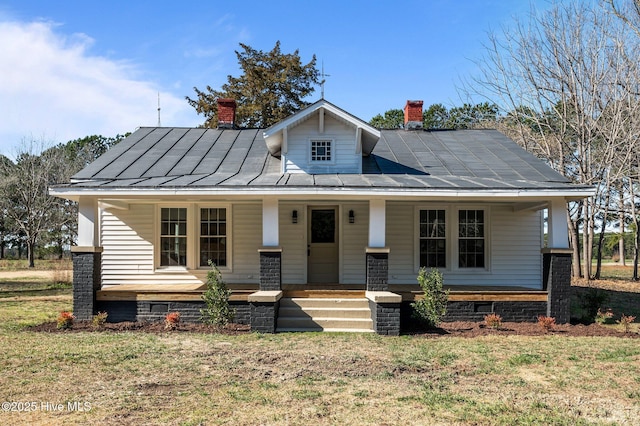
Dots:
pixel 30 273
pixel 456 328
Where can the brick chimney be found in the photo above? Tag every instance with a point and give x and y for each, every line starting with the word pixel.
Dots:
pixel 226 113
pixel 413 115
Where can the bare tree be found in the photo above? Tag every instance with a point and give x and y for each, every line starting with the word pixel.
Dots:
pixel 628 11
pixel 23 191
pixel 567 80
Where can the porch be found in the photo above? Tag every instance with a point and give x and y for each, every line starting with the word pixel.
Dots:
pixel 320 307
pixel 240 292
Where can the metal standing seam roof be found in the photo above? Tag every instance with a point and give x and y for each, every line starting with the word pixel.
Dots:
pixel 160 157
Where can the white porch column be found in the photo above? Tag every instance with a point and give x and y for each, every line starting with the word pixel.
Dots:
pixel 87 222
pixel 270 229
pixel 377 223
pixel 558 236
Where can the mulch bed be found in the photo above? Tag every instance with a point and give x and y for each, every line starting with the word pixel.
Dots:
pixel 456 328
pixel 474 329
pixel 142 326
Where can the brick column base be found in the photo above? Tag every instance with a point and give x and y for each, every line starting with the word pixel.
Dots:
pixel 377 274
pixel 86 280
pixel 386 318
pixel 557 281
pixel 270 269
pixel 264 310
pixel 385 311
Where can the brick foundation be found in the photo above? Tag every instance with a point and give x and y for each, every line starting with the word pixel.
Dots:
pixel 475 311
pixel 86 280
pixel 156 311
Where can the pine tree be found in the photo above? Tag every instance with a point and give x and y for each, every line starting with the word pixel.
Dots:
pixel 272 87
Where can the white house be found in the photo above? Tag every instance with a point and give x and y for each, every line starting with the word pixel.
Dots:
pixel 320 222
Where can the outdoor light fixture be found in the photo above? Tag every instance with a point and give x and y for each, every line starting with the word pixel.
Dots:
pixel 352 217
pixel 294 216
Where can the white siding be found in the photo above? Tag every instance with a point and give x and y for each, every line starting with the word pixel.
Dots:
pixel 127 238
pixel 400 240
pixel 293 240
pixel 514 247
pixel 296 160
pixel 354 242
pixel 128 254
pixel 247 238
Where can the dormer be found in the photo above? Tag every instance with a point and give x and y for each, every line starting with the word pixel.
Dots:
pixel 321 139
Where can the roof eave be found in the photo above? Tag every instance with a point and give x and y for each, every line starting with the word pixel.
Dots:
pixel 570 194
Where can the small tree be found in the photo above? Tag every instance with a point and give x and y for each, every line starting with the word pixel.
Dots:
pixel 216 298
pixel 433 306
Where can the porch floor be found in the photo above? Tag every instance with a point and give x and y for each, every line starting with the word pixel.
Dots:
pixel 240 292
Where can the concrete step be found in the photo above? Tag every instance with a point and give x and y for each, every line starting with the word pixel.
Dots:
pixel 296 311
pixel 324 330
pixel 324 314
pixel 322 324
pixel 311 302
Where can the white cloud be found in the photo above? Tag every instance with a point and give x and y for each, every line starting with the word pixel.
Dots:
pixel 52 88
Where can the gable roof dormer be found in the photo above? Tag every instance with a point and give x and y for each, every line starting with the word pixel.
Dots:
pixel 365 136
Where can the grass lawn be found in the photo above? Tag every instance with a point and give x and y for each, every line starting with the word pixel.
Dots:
pixel 305 378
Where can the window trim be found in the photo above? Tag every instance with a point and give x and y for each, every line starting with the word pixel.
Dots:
pixel 452 239
pixel 184 236
pixel 157 246
pixel 227 207
pixel 193 236
pixel 332 145
pixel 487 233
pixel 447 232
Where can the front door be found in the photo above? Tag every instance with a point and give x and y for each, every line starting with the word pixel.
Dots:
pixel 322 250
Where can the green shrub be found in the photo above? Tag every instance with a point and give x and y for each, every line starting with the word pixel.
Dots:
pixel 433 306
pixel 216 298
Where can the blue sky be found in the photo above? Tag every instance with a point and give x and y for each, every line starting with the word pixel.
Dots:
pixel 69 69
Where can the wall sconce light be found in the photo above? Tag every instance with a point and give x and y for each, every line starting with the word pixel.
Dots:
pixel 352 216
pixel 294 216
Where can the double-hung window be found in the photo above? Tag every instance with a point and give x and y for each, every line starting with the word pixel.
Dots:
pixel 452 239
pixel 173 237
pixel 213 236
pixel 471 239
pixel 193 235
pixel 433 239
